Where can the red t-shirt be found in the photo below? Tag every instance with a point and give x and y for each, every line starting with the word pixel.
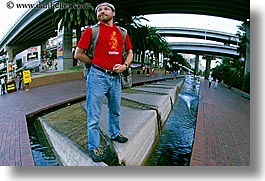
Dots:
pixel 108 51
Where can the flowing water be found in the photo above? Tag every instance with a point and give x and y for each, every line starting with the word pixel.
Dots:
pixel 42 151
pixel 175 143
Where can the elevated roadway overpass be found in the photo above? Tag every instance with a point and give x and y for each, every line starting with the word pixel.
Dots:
pixel 218 36
pixel 209 51
pixel 204 49
pixel 231 9
pixel 35 27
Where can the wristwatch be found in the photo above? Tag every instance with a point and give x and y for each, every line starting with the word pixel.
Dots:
pixel 127 66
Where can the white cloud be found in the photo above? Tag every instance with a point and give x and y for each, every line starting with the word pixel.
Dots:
pixel 193 21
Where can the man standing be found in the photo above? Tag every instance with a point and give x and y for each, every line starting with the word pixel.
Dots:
pixel 3 85
pixel 20 79
pixel 103 78
pixel 210 79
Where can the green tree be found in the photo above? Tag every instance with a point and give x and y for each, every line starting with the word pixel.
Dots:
pixel 175 57
pixel 78 14
pixel 143 37
pixel 231 71
pixel 242 49
pixel 147 38
pixel 243 40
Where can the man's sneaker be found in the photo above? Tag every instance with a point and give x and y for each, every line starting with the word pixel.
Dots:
pixel 96 154
pixel 120 138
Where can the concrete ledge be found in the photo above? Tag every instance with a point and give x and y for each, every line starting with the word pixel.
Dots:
pixel 170 92
pixel 161 103
pixel 141 130
pixel 141 126
pixel 70 153
pixel 55 78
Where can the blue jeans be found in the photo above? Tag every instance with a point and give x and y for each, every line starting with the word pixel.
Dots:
pixel 99 85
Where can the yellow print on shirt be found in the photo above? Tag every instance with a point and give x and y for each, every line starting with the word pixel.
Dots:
pixel 113 41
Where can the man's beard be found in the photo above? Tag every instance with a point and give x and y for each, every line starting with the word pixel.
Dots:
pixel 104 18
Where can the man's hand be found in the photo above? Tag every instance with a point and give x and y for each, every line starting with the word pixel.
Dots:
pixel 119 68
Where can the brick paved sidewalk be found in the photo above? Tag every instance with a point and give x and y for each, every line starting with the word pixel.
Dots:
pixel 222 135
pixel 14 139
pixel 222 130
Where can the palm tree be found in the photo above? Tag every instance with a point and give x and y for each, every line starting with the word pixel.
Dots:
pixel 243 40
pixel 231 71
pixel 242 50
pixel 147 38
pixel 81 15
pixel 142 37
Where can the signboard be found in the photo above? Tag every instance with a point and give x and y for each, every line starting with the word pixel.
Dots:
pixel 32 56
pixel 32 49
pixel 60 47
pixel 11 86
pixel 26 76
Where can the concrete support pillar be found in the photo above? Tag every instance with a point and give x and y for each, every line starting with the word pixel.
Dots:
pixel 43 59
pixel 64 50
pixel 10 53
pixel 43 47
pixel 208 66
pixel 10 58
pixel 196 64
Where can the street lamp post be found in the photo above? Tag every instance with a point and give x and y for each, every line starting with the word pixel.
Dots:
pixel 205 31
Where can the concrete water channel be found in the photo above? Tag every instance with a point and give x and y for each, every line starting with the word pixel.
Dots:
pixel 144 114
pixel 175 143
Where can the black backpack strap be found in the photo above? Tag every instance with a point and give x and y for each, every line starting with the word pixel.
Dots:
pixel 124 52
pixel 94 39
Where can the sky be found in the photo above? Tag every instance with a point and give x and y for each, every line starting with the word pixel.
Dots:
pixel 193 21
pixel 10 15
pixel 165 20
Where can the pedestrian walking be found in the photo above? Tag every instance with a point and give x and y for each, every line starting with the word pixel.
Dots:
pixel 175 74
pixel 147 71
pixel 153 72
pixel 216 83
pixel 103 78
pixel 210 79
pixel 55 63
pixel 3 86
pixel 20 79
pixel 144 68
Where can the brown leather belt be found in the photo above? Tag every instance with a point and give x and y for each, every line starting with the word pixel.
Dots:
pixel 109 72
